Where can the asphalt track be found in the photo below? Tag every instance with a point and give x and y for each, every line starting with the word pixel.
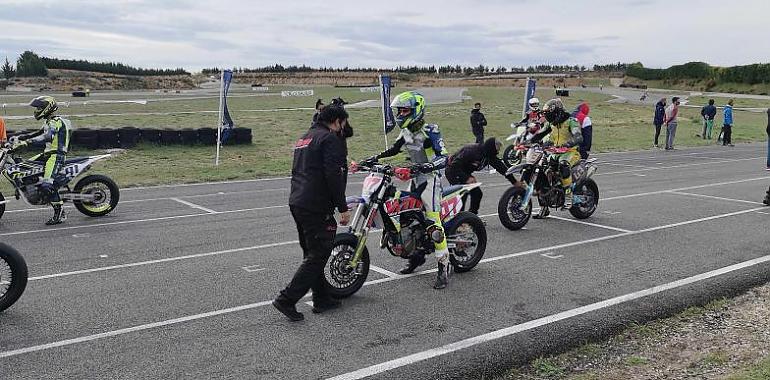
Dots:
pixel 176 283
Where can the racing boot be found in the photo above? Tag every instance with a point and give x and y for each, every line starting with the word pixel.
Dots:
pixel 59 215
pixel 441 276
pixel 415 260
pixel 543 213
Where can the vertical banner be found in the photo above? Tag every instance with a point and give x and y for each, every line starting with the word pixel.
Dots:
pixel 389 122
pixel 225 124
pixel 529 93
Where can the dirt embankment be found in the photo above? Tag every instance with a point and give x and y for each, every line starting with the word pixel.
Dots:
pixel 69 80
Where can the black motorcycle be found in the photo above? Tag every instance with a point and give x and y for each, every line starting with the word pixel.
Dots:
pixel 540 177
pixel 13 276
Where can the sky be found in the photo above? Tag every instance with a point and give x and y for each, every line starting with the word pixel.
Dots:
pixel 236 33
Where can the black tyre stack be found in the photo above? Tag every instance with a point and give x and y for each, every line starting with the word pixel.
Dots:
pixel 170 136
pixel 243 136
pixel 188 136
pixel 207 136
pixel 150 135
pixel 108 138
pixel 128 137
pixel 85 137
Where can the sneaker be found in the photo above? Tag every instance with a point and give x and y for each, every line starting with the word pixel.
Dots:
pixel 290 311
pixel 655 146
pixel 322 306
pixel 768 168
pixel 441 276
pixel 730 145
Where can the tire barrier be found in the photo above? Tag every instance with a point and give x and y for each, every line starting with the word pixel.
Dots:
pixel 170 136
pixel 188 136
pixel 129 137
pixel 108 138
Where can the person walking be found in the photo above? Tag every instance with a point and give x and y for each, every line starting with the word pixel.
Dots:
pixel 672 111
pixel 478 122
pixel 660 116
pixel 768 139
pixel 727 127
pixel 708 113
pixel 317 188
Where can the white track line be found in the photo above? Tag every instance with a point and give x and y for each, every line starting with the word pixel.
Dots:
pixel 589 224
pixel 716 198
pixel 384 271
pixel 205 183
pixel 193 205
pixel 113 333
pixel 166 260
pixel 508 331
pixel 139 220
pixel 664 167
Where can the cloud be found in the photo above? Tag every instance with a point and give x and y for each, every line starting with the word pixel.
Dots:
pixel 205 33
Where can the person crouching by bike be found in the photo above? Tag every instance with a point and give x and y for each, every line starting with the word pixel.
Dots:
pixel 317 188
pixel 55 133
pixel 471 158
pixel 428 154
pixel 562 130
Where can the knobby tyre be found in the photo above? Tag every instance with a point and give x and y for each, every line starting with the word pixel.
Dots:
pixel 340 279
pixel 589 193
pixel 468 238
pixel 509 209
pixel 13 276
pixel 105 191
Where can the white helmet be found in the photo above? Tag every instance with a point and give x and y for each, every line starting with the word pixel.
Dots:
pixel 534 104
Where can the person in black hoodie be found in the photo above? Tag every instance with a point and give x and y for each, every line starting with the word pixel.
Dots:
pixel 317 188
pixel 478 122
pixel 471 158
pixel 660 115
pixel 768 139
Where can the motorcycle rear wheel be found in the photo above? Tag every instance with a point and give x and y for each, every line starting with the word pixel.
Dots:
pixel 589 191
pixel 340 280
pixel 13 276
pixel 467 231
pixel 2 205
pixel 105 191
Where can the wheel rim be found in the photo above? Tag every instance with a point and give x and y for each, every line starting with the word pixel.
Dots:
pixel 588 200
pixel 339 274
pixel 464 240
pixel 102 197
pixel 514 211
pixel 6 277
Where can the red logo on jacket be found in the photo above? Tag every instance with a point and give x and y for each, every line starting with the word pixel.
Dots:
pixel 303 143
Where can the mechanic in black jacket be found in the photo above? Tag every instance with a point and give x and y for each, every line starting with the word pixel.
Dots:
pixel 471 158
pixel 317 188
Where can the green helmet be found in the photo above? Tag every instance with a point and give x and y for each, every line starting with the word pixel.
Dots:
pixel 415 104
pixel 45 106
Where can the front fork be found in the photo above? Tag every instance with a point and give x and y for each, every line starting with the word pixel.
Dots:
pixel 362 235
pixel 530 189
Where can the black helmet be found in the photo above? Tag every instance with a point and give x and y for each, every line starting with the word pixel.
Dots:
pixel 553 110
pixel 45 106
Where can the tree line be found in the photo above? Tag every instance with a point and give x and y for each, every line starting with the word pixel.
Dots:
pixel 30 64
pixel 446 69
pixel 748 74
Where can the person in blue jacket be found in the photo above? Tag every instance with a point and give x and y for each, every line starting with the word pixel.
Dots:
pixel 727 128
pixel 660 115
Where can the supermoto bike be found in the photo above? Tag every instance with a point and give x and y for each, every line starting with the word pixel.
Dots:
pixel 13 276
pixel 540 177
pixel 93 195
pixel 511 155
pixel 405 229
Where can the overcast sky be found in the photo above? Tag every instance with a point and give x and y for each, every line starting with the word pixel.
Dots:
pixel 207 33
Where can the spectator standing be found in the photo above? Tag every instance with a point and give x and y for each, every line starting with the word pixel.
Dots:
pixel 672 112
pixel 727 127
pixel 660 116
pixel 317 188
pixel 319 104
pixel 586 129
pixel 708 113
pixel 768 143
pixel 478 122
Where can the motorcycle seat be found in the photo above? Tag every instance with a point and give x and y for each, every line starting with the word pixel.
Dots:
pixel 451 189
pixel 75 160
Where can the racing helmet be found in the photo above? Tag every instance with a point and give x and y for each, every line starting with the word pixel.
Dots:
pixel 409 110
pixel 534 104
pixel 553 110
pixel 45 106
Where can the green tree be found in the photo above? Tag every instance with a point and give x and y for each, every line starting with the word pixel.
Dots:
pixel 30 65
pixel 8 70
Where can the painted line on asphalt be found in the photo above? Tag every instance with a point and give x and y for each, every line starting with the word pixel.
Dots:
pixel 715 197
pixel 625 165
pixel 134 221
pixel 590 224
pixel 764 178
pixel 205 183
pixel 678 166
pixel 193 205
pixel 515 329
pixel 166 260
pixel 384 271
pixel 123 331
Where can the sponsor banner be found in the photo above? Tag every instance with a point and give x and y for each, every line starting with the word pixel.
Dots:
pixel 297 93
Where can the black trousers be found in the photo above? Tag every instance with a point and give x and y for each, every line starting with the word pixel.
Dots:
pixel 585 146
pixel 316 237
pixel 727 137
pixel 479 133
pixel 657 133
pixel 456 177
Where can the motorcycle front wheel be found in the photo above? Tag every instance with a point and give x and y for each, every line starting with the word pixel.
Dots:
pixel 467 240
pixel 509 209
pixel 13 276
pixel 340 279
pixel 511 157
pixel 2 205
